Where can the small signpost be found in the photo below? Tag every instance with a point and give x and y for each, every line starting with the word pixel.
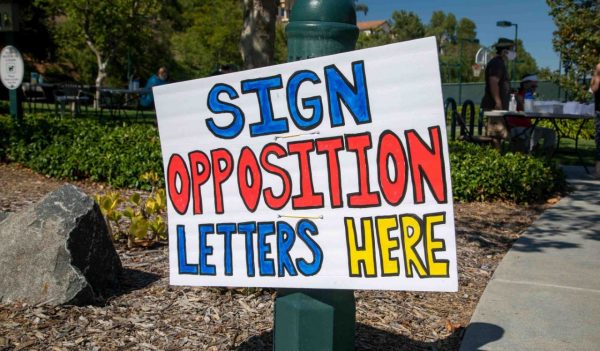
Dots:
pixel 11 61
pixel 11 67
pixel 11 75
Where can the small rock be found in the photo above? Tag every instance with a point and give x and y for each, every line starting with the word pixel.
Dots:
pixel 3 215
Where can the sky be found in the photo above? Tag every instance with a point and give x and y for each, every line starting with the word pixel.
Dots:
pixel 535 25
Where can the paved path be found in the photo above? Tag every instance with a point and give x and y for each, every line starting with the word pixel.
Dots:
pixel 545 294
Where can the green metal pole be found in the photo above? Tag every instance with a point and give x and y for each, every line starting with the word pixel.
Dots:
pixel 314 319
pixel 14 95
pixel 319 28
pixel 317 319
pixel 16 108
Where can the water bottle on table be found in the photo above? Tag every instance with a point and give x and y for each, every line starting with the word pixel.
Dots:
pixel 512 105
pixel 528 103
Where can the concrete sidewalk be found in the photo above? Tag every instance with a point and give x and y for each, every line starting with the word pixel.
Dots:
pixel 545 294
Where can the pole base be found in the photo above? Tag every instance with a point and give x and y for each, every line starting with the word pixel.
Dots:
pixel 310 320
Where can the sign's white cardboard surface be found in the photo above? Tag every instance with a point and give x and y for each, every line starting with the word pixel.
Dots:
pixel 327 173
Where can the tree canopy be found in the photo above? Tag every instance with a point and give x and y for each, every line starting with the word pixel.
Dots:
pixel 457 43
pixel 121 39
pixel 95 41
pixel 406 25
pixel 210 36
pixel 577 39
pixel 103 32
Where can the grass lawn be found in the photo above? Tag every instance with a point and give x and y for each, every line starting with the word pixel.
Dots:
pixel 566 154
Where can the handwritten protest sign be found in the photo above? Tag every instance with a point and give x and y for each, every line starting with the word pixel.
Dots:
pixel 327 173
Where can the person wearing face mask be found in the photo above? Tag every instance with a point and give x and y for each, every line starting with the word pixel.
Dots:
pixel 497 89
pixel 520 128
pixel 497 81
pixel 160 78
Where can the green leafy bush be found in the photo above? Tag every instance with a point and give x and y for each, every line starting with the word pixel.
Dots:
pixel 483 174
pixel 5 132
pixel 116 153
pixel 569 128
pixel 4 107
pixel 120 153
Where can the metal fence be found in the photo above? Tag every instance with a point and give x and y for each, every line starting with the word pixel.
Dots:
pixel 546 90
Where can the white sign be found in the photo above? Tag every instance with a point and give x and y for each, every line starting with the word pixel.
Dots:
pixel 11 67
pixel 326 173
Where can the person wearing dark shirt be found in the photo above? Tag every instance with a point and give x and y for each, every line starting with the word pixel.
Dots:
pixel 595 87
pixel 497 81
pixel 159 78
pixel 497 89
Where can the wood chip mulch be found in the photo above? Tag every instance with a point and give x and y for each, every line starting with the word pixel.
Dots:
pixel 148 314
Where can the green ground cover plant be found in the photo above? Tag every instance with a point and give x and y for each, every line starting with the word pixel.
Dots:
pixel 119 153
pixel 140 223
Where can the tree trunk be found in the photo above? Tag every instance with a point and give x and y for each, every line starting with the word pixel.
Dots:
pixel 257 44
pixel 99 79
pixel 102 63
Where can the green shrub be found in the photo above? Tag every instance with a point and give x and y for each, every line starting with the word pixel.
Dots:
pixel 570 128
pixel 116 153
pixel 120 153
pixel 4 107
pixel 483 174
pixel 5 132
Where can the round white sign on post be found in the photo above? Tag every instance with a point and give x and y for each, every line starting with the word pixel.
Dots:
pixel 12 68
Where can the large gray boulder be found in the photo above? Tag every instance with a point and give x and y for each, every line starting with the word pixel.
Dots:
pixel 57 252
pixel 3 215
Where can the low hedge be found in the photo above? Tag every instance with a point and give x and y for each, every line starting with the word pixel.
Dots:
pixel 484 174
pixel 118 153
pixel 115 153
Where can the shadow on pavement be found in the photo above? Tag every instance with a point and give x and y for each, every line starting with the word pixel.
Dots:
pixel 527 244
pixel 567 225
pixel 480 334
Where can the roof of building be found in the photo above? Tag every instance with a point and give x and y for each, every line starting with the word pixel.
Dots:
pixel 370 25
